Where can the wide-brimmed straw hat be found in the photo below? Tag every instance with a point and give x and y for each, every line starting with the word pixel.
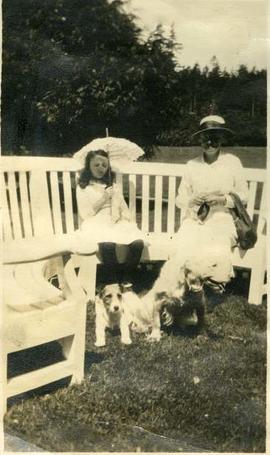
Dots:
pixel 212 123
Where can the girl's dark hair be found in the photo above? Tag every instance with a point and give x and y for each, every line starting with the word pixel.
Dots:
pixel 86 174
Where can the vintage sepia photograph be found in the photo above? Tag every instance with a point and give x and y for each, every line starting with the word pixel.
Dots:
pixel 134 210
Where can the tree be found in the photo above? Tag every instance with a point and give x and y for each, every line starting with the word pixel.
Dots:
pixel 75 67
pixel 71 68
pixel 238 96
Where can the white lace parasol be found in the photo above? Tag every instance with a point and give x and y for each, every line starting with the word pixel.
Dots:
pixel 120 150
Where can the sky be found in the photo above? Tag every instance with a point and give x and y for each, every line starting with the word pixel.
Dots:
pixel 235 31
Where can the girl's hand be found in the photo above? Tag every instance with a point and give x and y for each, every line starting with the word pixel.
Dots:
pixel 108 193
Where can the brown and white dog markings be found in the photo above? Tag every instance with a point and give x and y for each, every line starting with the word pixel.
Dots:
pixel 183 302
pixel 111 313
pixel 118 306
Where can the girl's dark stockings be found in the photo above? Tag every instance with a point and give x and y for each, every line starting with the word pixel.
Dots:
pixel 114 272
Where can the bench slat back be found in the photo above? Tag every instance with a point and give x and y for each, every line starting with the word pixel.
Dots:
pixel 157 211
pixel 56 206
pixel 262 212
pixel 25 205
pixel 68 211
pixel 14 205
pixel 7 228
pixel 251 198
pixel 145 202
pixel 132 196
pixel 171 205
pixel 158 204
pixel 38 195
pixel 40 203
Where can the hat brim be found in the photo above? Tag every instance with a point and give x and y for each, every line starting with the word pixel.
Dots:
pixel 213 128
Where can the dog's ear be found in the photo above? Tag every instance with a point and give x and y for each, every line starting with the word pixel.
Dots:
pixel 189 266
pixel 187 272
pixel 182 275
pixel 125 287
pixel 100 291
pixel 162 296
pixel 178 293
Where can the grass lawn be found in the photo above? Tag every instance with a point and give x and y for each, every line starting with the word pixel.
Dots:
pixel 187 392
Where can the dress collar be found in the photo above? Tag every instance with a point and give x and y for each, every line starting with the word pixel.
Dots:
pixel 202 160
pixel 96 182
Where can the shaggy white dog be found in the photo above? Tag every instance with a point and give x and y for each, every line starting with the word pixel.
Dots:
pixel 180 273
pixel 143 313
pixel 190 308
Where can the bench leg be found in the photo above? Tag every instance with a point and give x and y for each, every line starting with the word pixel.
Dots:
pixel 73 347
pixel 79 347
pixel 256 285
pixel 87 275
pixel 3 386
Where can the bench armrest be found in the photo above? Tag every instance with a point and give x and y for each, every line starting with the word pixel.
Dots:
pixel 37 248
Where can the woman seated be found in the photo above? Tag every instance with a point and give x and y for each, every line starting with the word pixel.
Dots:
pixel 105 216
pixel 207 233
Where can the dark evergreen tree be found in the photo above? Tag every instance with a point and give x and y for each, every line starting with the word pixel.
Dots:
pixel 74 67
pixel 71 68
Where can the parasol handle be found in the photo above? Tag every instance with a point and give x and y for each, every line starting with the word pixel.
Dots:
pixel 110 177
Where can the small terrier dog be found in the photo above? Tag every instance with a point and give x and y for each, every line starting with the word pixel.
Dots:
pixel 110 313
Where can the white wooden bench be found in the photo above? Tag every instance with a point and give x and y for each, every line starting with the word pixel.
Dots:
pixel 158 182
pixel 43 300
pixel 150 188
pixel 38 197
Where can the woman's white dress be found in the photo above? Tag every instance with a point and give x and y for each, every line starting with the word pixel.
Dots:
pixel 206 246
pixel 111 223
pixel 210 242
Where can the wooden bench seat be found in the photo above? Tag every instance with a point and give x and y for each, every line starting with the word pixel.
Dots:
pixel 26 287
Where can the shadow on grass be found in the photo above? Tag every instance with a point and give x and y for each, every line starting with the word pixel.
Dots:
pixel 92 358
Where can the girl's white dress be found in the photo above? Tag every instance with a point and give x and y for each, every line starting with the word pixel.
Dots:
pixel 206 246
pixel 112 222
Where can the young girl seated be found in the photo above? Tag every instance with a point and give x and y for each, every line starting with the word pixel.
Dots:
pixel 105 215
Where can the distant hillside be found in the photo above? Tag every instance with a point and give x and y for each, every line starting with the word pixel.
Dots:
pixel 249 156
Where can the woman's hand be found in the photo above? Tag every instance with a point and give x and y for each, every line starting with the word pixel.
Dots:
pixel 196 201
pixel 215 199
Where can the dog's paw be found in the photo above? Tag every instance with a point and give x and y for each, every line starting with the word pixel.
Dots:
pixel 201 338
pixel 138 328
pixel 100 344
pixel 152 338
pixel 128 341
